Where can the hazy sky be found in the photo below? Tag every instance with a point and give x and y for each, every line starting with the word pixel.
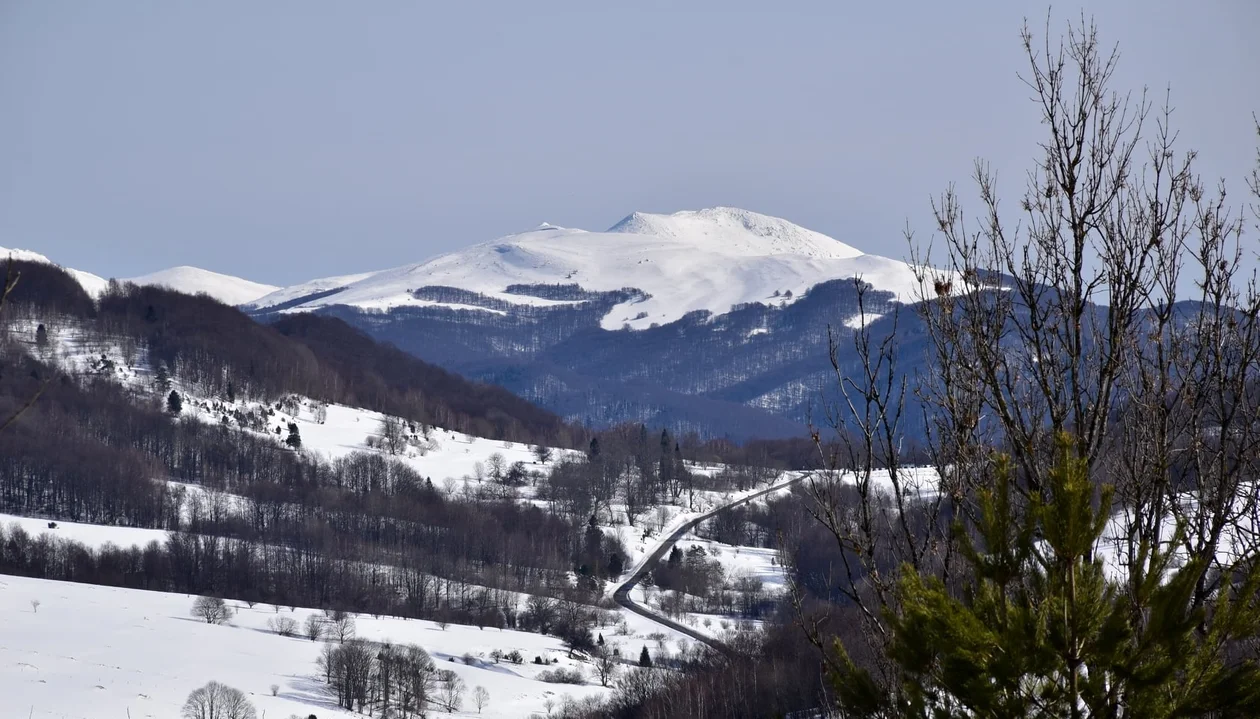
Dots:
pixel 283 141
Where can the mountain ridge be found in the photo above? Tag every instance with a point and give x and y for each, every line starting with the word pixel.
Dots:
pixel 709 260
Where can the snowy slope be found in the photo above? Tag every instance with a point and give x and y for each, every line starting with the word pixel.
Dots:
pixel 91 652
pixel 695 260
pixel 295 292
pixel 91 283
pixel 194 280
pixel 92 535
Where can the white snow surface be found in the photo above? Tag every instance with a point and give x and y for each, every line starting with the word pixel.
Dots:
pixel 693 260
pixel 194 280
pixel 89 652
pixel 91 535
pixel 294 292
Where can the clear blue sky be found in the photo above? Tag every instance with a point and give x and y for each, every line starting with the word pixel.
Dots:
pixel 287 140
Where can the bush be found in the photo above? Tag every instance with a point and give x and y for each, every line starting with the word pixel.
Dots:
pixel 314 627
pixel 562 676
pixel 515 656
pixel 284 626
pixel 212 610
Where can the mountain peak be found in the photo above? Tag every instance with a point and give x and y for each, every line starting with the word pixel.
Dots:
pixel 737 231
pixel 193 280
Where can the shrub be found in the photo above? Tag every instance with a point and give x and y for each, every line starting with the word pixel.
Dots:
pixel 212 610
pixel 562 676
pixel 314 627
pixel 284 626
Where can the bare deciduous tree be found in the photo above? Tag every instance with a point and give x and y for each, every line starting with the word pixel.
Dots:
pixel 393 434
pixel 211 610
pixel 605 664
pixel 284 626
pixel 1110 303
pixel 450 691
pixel 313 628
pixel 218 701
pixel 340 624
pixel 481 698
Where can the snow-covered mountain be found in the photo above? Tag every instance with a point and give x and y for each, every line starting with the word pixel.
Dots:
pixel 728 309
pixel 194 280
pixel 728 312
pixel 189 280
pixel 709 260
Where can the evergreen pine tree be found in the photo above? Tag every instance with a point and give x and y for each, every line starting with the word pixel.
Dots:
pixel 1040 630
pixel 645 659
pixel 41 337
pixel 294 439
pixel 615 565
pixel 675 557
pixel 174 403
pixel 162 379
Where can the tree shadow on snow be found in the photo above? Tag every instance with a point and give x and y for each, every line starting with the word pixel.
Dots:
pixel 309 690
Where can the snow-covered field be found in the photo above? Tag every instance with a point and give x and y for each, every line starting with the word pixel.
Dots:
pixel 89 652
pixel 447 454
pixel 92 535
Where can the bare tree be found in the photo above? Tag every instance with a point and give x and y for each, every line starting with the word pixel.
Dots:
pixel 496 466
pixel 393 434
pixel 450 691
pixel 211 610
pixel 340 624
pixel 284 626
pixel 605 664
pixel 313 628
pixel 481 698
pixel 1111 305
pixel 35 606
pixel 542 453
pixel 218 701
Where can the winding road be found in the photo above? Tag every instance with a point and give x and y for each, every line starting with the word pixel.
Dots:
pixel 622 594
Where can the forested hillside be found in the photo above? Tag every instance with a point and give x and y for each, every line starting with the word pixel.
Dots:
pixel 225 353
